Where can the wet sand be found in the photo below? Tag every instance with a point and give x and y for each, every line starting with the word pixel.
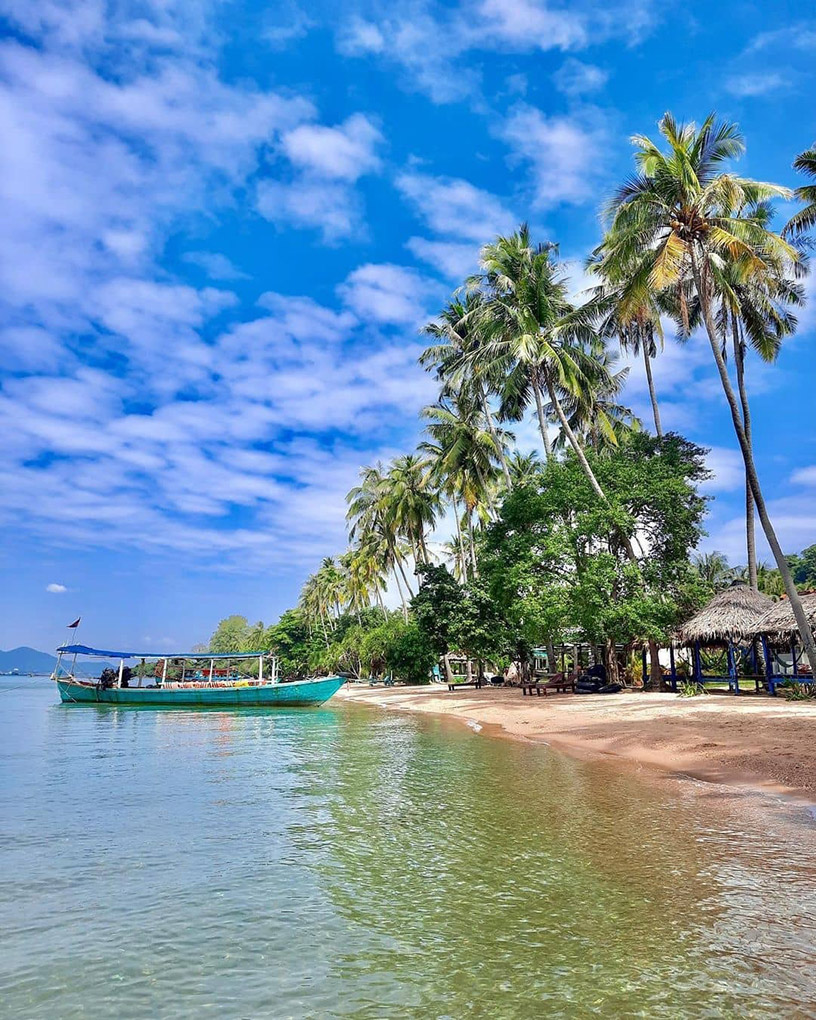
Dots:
pixel 749 741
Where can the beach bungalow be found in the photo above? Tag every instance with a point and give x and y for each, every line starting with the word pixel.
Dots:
pixel 779 634
pixel 728 622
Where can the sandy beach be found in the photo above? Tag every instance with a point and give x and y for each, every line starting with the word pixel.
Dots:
pixel 753 742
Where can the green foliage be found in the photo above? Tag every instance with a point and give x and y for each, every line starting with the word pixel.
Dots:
pixel 554 562
pixel 437 607
pixel 230 635
pixel 409 654
pixel 803 568
pixel 794 691
pixel 690 689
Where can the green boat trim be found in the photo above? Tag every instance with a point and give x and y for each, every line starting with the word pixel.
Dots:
pixel 298 693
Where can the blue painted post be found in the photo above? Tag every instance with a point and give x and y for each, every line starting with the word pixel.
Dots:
pixel 698 665
pixel 733 678
pixel 766 655
pixel 643 666
pixel 673 667
pixel 793 657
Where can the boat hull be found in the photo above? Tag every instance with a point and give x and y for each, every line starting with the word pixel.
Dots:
pixel 300 693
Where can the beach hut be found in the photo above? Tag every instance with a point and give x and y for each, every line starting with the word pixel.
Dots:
pixel 730 621
pixel 778 630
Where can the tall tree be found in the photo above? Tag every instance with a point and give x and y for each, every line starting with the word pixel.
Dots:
pixel 805 219
pixel 536 336
pixel 454 358
pixel 683 216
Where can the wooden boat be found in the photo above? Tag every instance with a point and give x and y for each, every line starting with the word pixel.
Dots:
pixel 188 680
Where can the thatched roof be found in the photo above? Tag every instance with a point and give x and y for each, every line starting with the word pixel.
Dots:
pixel 779 621
pixel 732 614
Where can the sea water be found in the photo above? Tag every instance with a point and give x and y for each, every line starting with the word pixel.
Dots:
pixel 347 862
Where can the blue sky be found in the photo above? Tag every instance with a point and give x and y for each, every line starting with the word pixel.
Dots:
pixel 225 221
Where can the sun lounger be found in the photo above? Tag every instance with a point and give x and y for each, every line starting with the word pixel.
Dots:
pixel 476 682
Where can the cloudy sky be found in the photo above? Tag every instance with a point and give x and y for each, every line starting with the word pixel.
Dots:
pixel 223 223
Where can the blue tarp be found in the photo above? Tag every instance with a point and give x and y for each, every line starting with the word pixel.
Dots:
pixel 85 650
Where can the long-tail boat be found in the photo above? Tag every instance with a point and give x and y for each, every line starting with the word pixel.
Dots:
pixel 189 679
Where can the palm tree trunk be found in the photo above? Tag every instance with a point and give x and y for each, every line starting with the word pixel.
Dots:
pixel 750 525
pixel 647 361
pixel 805 633
pixel 579 453
pixel 542 421
pixel 402 597
pixel 491 427
pixel 470 538
pixel 460 541
pixel 398 561
pixel 323 625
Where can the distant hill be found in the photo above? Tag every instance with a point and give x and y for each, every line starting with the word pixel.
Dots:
pixel 29 660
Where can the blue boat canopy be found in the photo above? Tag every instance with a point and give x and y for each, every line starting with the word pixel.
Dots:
pixel 103 654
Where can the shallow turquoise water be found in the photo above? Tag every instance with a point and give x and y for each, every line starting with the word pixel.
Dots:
pixel 343 862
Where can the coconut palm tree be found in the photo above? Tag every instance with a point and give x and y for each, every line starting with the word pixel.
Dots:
pixel 372 524
pixel 524 468
pixel 537 339
pixel 452 357
pixel 637 329
pixel 595 414
pixel 805 219
pixel 682 217
pixel 713 568
pixel 464 455
pixel 411 502
pixel 754 313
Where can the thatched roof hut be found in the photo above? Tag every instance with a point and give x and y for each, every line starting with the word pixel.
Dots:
pixel 732 615
pixel 779 623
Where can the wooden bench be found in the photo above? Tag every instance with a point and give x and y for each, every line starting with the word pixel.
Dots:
pixel 466 683
pixel 559 682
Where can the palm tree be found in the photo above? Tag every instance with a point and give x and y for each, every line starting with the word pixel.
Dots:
pixel 372 524
pixel 713 568
pixel 757 315
pixel 524 468
pixel 594 414
pixel 463 456
pixel 534 335
pixel 411 502
pixel 453 357
pixel 637 329
pixel 805 219
pixel 682 217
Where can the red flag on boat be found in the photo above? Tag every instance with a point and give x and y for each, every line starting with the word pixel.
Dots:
pixel 75 624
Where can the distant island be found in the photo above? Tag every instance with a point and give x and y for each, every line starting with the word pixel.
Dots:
pixel 28 660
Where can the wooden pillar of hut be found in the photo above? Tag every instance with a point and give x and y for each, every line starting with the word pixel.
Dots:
pixel 673 665
pixel 794 663
pixel 643 664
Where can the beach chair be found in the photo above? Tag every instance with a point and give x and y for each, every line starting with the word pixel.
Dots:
pixel 557 682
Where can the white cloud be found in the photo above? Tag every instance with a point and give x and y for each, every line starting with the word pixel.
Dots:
pixel 387 294
pixel 757 84
pixel 345 152
pixel 805 476
pixel 56 589
pixel 327 162
pixel 454 260
pixel 328 206
pixel 563 154
pixel 215 265
pixel 455 207
pixel 727 468
pixel 429 41
pixel 575 78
